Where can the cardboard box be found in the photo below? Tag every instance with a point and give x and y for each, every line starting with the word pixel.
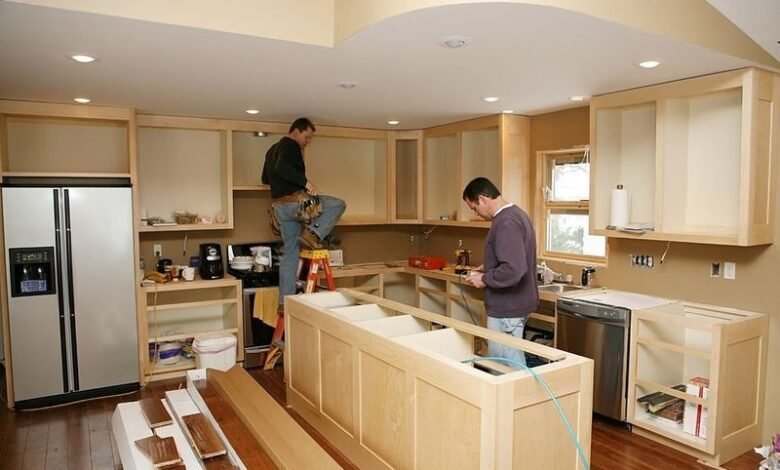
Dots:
pixel 695 415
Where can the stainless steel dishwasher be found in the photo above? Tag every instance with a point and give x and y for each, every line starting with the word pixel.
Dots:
pixel 599 332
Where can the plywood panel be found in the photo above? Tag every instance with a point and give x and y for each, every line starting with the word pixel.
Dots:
pixel 362 312
pixel 337 392
pixel 384 410
pixel 406 178
pixel 66 145
pixel 741 391
pixel 396 326
pixel 455 421
pixel 540 437
pixel 440 168
pixel 249 156
pixel 304 376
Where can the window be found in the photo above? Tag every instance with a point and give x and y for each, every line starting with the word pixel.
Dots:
pixel 563 211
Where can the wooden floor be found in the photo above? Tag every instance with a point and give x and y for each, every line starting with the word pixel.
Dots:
pixel 78 437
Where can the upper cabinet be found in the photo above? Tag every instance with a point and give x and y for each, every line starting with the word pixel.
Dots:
pixel 46 139
pixel 184 173
pixel 695 157
pixel 405 183
pixel 496 147
pixel 249 149
pixel 351 164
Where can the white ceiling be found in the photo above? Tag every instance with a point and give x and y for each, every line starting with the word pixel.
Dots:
pixel 532 57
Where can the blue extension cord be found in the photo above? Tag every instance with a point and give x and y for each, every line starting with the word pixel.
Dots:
pixel 550 393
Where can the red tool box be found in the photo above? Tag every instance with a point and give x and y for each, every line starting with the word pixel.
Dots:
pixel 427 262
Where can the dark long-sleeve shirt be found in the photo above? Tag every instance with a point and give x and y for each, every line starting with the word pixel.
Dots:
pixel 284 169
pixel 510 265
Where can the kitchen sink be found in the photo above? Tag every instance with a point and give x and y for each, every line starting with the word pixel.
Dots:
pixel 560 288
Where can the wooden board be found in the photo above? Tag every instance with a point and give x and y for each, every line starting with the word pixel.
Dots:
pixel 202 436
pixel 288 445
pixel 161 450
pixel 154 412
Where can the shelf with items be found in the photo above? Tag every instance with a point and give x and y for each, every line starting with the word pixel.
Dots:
pixel 180 311
pixel 352 166
pixel 694 155
pixel 496 147
pixel 184 166
pixel 713 358
pixel 60 140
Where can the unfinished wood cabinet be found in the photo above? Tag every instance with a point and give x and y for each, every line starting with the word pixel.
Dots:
pixel 46 139
pixel 406 176
pixel 184 166
pixel 695 155
pixel 178 311
pixel 496 147
pixel 673 344
pixel 393 386
pixel 352 165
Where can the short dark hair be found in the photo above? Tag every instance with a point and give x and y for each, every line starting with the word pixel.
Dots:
pixel 302 124
pixel 480 186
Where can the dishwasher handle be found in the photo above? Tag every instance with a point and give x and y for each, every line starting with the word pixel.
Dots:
pixel 603 320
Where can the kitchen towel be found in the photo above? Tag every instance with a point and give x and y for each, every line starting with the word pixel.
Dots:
pixel 266 305
pixel 619 207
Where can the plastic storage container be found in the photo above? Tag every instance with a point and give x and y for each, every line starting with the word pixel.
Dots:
pixel 215 353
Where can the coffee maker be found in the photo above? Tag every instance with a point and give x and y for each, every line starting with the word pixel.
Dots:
pixel 211 261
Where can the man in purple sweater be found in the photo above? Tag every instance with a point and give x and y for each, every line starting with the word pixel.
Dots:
pixel 508 274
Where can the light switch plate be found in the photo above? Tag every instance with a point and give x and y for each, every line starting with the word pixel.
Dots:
pixel 729 270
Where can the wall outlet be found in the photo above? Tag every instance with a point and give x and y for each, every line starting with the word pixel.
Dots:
pixel 411 238
pixel 715 270
pixel 642 261
pixel 729 270
pixel 158 250
pixel 460 243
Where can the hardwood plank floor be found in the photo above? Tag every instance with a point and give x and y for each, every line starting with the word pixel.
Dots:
pixel 78 436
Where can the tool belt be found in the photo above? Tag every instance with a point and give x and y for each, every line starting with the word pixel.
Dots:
pixel 309 208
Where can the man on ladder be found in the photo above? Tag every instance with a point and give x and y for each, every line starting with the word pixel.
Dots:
pixel 298 213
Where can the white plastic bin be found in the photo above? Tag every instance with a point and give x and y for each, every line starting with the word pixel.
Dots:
pixel 215 353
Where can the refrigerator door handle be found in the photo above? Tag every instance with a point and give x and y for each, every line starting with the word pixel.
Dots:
pixel 71 300
pixel 60 299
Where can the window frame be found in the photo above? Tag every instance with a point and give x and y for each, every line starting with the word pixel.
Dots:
pixel 544 160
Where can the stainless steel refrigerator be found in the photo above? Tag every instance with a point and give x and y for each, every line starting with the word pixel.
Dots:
pixel 70 267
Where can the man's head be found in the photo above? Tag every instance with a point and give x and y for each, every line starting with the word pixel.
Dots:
pixel 482 196
pixel 302 131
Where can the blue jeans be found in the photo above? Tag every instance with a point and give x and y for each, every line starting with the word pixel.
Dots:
pixel 332 208
pixel 510 326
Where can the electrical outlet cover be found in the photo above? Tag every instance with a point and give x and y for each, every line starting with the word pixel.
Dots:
pixel 729 270
pixel 715 270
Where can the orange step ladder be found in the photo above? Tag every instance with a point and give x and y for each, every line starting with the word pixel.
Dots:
pixel 317 259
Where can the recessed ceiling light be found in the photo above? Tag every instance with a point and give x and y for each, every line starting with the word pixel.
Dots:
pixel 84 59
pixel 490 99
pixel 82 100
pixel 649 64
pixel 347 85
pixel 253 111
pixel 393 122
pixel 577 98
pixel 508 111
pixel 261 134
pixel 455 42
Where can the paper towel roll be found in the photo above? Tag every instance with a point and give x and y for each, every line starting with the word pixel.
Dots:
pixel 619 207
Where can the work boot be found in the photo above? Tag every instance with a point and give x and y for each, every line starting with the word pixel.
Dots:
pixel 310 240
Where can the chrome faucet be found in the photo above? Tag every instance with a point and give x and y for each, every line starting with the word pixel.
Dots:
pixel 587 275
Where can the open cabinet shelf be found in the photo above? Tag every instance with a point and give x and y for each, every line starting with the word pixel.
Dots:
pixel 694 155
pixel 691 345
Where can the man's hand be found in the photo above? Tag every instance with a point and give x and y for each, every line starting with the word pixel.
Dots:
pixel 311 188
pixel 476 279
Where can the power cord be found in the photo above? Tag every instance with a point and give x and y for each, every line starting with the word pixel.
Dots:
pixel 539 379
pixel 462 278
